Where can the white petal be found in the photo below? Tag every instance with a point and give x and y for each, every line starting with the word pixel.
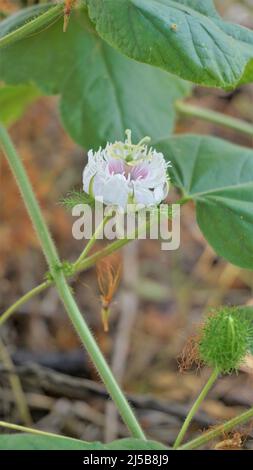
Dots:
pixel 98 185
pixel 157 171
pixel 116 191
pixel 160 192
pixel 143 195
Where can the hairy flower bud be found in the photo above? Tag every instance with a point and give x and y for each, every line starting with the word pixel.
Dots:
pixel 225 339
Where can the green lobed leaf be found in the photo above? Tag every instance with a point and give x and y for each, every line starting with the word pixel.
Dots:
pixel 185 37
pixel 34 442
pixel 218 176
pixel 14 100
pixel 102 91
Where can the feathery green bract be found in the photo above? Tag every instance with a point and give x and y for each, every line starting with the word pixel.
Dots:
pixel 76 197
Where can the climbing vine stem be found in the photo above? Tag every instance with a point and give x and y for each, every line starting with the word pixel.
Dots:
pixel 217 431
pixel 91 242
pixel 213 377
pixel 63 288
pixel 83 264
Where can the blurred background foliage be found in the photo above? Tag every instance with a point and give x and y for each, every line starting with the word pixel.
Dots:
pixel 161 298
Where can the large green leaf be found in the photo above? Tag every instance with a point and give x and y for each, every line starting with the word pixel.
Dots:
pixel 14 100
pixel 218 176
pixel 102 92
pixel 34 442
pixel 185 37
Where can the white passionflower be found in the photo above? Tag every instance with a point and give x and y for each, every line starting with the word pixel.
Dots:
pixel 124 173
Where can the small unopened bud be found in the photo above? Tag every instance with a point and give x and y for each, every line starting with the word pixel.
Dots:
pixel 225 339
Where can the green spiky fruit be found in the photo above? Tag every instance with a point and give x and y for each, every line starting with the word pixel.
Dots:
pixel 225 339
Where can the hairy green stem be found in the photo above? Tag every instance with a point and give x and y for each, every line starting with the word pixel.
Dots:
pixel 217 431
pixel 84 265
pixel 213 377
pixel 108 250
pixel 63 288
pixel 22 300
pixel 33 25
pixel 215 117
pixel 91 242
pixel 32 206
pixel 98 359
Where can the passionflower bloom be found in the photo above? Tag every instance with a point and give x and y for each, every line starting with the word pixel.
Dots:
pixel 125 173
